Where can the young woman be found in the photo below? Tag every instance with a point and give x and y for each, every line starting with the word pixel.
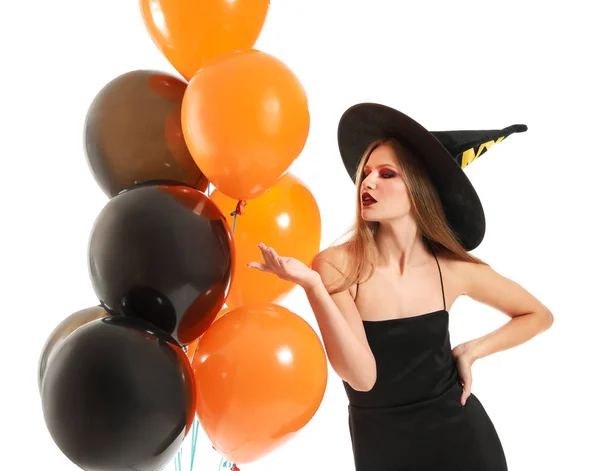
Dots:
pixel 382 298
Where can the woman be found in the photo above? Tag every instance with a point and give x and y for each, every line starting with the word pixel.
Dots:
pixel 410 401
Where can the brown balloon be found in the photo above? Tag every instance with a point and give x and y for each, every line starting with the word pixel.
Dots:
pixel 132 133
pixel 62 331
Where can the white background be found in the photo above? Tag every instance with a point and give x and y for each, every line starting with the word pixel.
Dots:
pixel 449 64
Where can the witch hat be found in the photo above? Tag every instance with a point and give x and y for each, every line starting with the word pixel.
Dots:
pixel 445 154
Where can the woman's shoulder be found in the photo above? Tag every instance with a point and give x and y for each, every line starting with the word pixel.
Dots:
pixel 332 264
pixel 462 272
pixel 337 256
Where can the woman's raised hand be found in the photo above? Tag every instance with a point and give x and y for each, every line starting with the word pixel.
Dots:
pixel 286 268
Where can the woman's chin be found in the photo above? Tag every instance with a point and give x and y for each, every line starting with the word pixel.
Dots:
pixel 368 214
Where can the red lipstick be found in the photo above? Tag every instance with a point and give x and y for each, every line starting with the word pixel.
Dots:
pixel 367 199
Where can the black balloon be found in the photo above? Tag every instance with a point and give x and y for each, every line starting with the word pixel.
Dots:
pixel 69 325
pixel 162 252
pixel 118 396
pixel 132 133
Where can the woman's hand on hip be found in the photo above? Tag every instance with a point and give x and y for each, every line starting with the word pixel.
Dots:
pixel 464 362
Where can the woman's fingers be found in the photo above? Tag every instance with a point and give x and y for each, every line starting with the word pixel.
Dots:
pixel 273 262
pixel 466 390
pixel 270 257
pixel 258 266
pixel 267 266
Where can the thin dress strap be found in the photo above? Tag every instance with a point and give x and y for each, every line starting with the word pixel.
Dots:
pixel 441 280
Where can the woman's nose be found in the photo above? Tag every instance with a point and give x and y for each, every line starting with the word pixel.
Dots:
pixel 369 182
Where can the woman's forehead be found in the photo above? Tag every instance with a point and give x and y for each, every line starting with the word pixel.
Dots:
pixel 382 156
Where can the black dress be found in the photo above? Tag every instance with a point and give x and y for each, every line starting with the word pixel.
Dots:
pixel 412 419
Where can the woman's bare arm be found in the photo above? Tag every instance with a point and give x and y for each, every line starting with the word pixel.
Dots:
pixel 529 317
pixel 340 324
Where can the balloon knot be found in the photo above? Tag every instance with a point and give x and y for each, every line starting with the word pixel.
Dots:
pixel 235 468
pixel 239 208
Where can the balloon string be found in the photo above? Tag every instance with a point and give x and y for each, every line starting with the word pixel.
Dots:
pixel 239 207
pixel 195 426
pixel 239 210
pixel 178 461
pixel 227 465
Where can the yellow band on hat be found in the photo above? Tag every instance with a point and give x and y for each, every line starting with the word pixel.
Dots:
pixel 469 156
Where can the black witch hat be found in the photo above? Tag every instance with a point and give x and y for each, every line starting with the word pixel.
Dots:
pixel 445 154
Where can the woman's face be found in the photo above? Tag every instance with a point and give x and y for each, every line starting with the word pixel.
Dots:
pixel 384 194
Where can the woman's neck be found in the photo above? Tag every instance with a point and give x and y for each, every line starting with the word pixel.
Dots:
pixel 400 245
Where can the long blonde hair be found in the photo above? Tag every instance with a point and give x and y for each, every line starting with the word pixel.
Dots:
pixel 428 210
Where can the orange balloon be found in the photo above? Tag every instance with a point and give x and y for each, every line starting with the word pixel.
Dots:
pixel 189 33
pixel 191 347
pixel 261 375
pixel 245 119
pixel 286 218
